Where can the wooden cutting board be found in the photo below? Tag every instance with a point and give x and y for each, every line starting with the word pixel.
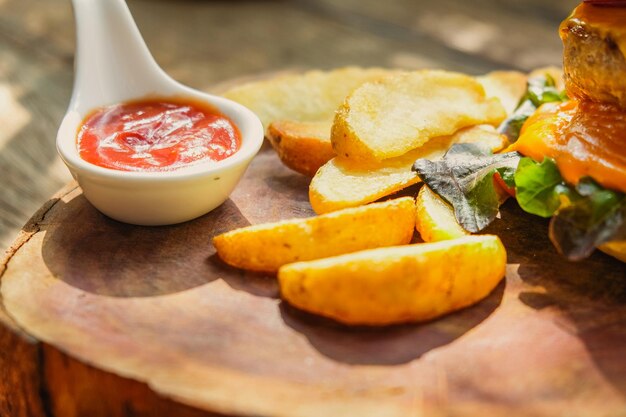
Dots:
pixel 101 318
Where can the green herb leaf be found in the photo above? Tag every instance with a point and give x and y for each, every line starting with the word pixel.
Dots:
pixel 596 218
pixel 464 178
pixel 540 187
pixel 512 126
pixel 541 89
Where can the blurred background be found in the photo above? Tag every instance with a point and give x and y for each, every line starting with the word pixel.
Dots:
pixel 212 44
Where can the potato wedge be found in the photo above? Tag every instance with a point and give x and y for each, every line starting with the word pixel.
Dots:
pixel 616 249
pixel 302 146
pixel 342 183
pixel 391 116
pixel 309 97
pixel 266 247
pixel 507 86
pixel 435 219
pixel 397 284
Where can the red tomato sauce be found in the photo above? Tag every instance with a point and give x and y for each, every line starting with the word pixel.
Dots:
pixel 156 135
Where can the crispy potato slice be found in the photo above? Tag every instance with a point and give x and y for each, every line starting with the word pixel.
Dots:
pixel 398 284
pixel 309 97
pixel 391 116
pixel 305 146
pixel 266 247
pixel 507 86
pixel 435 219
pixel 342 183
pixel 302 146
pixel 510 86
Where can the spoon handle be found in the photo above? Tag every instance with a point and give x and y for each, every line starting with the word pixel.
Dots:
pixel 112 62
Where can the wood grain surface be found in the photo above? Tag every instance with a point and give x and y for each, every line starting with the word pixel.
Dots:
pixel 204 43
pixel 102 318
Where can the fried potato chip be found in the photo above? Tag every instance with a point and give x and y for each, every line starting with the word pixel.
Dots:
pixel 435 219
pixel 397 284
pixel 266 247
pixel 507 86
pixel 310 97
pixel 305 146
pixel 302 146
pixel 391 116
pixel 342 183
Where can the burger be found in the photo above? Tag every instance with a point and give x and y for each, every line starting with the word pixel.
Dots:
pixel 567 158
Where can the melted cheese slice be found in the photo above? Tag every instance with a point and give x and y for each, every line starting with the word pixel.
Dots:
pixel 584 138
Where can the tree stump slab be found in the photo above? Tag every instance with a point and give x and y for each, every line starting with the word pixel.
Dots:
pixel 100 318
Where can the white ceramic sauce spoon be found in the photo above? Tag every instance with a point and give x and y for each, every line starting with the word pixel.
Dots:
pixel 113 65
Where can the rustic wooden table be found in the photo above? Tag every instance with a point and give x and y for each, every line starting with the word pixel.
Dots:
pixel 205 43
pixel 554 331
pixel 114 320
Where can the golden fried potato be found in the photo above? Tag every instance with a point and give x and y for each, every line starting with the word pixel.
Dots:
pixel 398 284
pixel 507 86
pixel 391 116
pixel 266 247
pixel 342 183
pixel 302 146
pixel 310 97
pixel 510 86
pixel 435 219
pixel 616 249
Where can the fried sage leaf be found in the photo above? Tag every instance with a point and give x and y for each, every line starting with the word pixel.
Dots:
pixel 464 178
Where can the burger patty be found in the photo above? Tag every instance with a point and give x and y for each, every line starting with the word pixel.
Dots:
pixel 593 61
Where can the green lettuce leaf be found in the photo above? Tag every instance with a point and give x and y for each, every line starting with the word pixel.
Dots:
pixel 539 90
pixel 539 187
pixel 464 178
pixel 583 217
pixel 542 89
pixel 596 217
